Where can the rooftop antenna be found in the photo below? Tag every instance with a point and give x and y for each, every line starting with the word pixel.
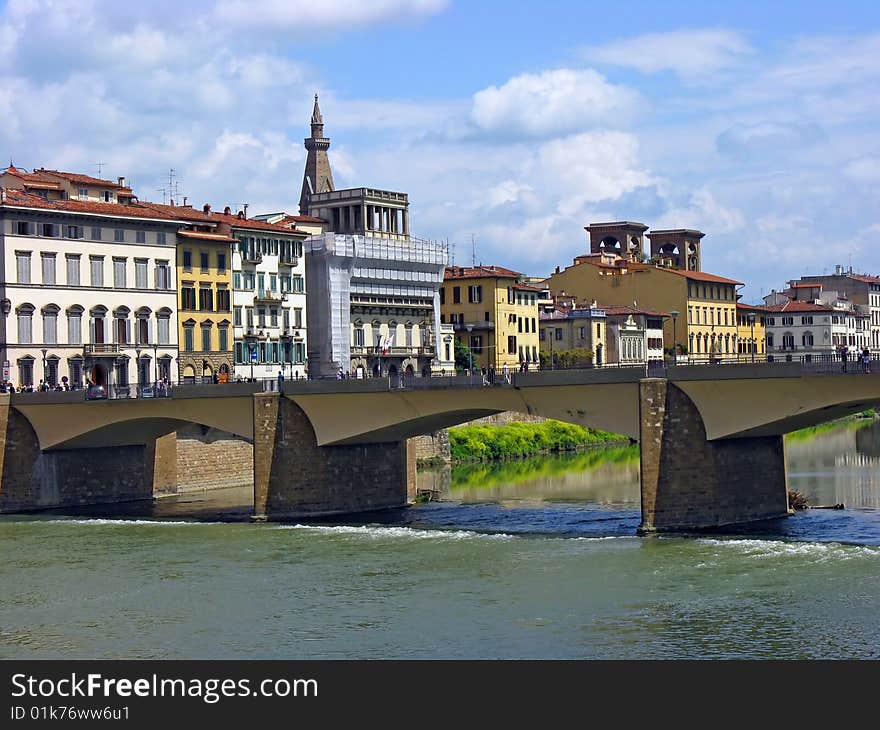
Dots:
pixel 473 251
pixel 100 166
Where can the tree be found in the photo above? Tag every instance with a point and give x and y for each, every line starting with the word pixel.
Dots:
pixel 462 355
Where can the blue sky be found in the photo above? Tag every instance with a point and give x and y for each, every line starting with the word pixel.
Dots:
pixel 514 123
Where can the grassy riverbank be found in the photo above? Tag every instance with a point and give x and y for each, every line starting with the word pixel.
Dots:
pixel 860 420
pixel 516 440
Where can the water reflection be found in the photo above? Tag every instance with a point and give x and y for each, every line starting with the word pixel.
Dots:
pixel 607 476
pixel 838 465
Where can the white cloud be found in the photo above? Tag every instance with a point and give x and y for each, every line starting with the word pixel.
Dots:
pixel 767 137
pixel 689 53
pixel 864 169
pixel 562 100
pixel 703 212
pixel 328 15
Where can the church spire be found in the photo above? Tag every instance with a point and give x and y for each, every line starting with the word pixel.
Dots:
pixel 317 177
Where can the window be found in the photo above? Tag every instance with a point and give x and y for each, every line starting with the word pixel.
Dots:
pixel 221 262
pixel 273 314
pixel 298 285
pixel 559 333
pixel 788 341
pixel 106 196
pixel 161 238
pixel 74 232
pixel 806 320
pixel 74 326
pixel 25 324
pixel 188 338
pixel 26 371
pixel 24 228
pixel 582 333
pixel 142 334
pixel 120 322
pixel 598 329
pixel 236 316
pixel 222 299
pixel 456 295
pixel 83 193
pixel 534 326
pixel 206 339
pixel 261 284
pixel 475 294
pixel 542 335
pixel 72 269
pixel 261 316
pixel 808 339
pixel 769 339
pixel 442 295
pixel 164 329
pixel 206 299
pixel 23 266
pixel 49 230
pixel 787 321
pixel 204 263
pixel 273 282
pixel 96 267
pixel 236 280
pixel 224 337
pixel 140 273
pixel 96 233
pixel 511 342
pixel 140 236
pixel 476 344
pixel 48 262
pixel 118 273
pixel 163 275
pixel 188 297
pixel 50 325
pixel 187 260
pixel 119 235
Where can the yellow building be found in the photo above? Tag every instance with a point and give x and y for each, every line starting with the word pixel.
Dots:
pixel 204 265
pixel 702 305
pixel 494 313
pixel 751 331
pixel 567 329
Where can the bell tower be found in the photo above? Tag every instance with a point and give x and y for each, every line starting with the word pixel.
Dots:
pixel 624 238
pixel 317 178
pixel 678 248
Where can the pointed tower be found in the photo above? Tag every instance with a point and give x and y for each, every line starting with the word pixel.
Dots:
pixel 317 178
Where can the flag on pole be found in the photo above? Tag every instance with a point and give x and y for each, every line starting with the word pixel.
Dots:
pixel 387 344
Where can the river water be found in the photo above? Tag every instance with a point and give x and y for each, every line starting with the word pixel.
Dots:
pixel 534 559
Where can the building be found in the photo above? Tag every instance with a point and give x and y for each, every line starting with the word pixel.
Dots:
pixel 634 336
pixel 493 313
pixel 860 289
pixel 751 331
pixel 814 329
pixel 701 306
pixel 269 298
pixel 55 185
pixel 374 306
pixel 579 328
pixel 88 289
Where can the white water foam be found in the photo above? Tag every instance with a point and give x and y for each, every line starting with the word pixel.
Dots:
pixel 114 522
pixel 380 532
pixel 816 551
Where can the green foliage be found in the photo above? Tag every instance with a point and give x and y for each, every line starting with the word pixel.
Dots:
pixel 462 355
pixel 860 420
pixel 486 475
pixel 579 357
pixel 523 439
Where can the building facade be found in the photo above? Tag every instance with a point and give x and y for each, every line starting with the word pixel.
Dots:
pixel 814 330
pixel 564 329
pixel 374 307
pixel 89 292
pixel 751 322
pixel 494 314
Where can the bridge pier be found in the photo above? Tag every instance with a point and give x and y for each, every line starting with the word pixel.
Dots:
pixel 32 479
pixel 296 478
pixel 690 483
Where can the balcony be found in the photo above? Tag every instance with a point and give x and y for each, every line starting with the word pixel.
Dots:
pixel 294 332
pixel 251 256
pixel 101 349
pixel 476 326
pixel 287 259
pixel 269 296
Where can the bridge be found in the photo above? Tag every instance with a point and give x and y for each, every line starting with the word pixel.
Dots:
pixel 712 452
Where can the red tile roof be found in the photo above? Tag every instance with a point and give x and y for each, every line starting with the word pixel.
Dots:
pixel 865 278
pixel 21 199
pixel 795 306
pixel 480 272
pixel 181 212
pixel 254 225
pixel 807 285
pixel 78 179
pixel 615 309
pixel 301 219
pixel 216 237
pixel 702 276
pixel 754 307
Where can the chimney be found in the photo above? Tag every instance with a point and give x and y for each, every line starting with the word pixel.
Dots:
pixel 184 200
pixel 227 210
pixel 206 209
pixel 172 202
pixel 122 182
pixel 245 210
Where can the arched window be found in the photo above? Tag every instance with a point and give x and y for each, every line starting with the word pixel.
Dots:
pixel 25 314
pixel 96 324
pixel 163 325
pixel 787 341
pixel 74 324
pixel 143 334
pixel 808 339
pixel 121 325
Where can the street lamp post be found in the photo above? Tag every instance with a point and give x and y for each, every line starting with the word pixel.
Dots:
pixel 674 314
pixel 155 364
pixel 45 374
pixel 470 328
pixel 751 317
pixel 551 332
pixel 138 369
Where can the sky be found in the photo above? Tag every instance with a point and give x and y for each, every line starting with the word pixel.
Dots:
pixel 511 125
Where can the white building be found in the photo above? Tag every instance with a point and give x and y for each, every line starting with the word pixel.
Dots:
pixel 268 299
pixel 374 306
pixel 813 329
pixel 633 336
pixel 87 287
